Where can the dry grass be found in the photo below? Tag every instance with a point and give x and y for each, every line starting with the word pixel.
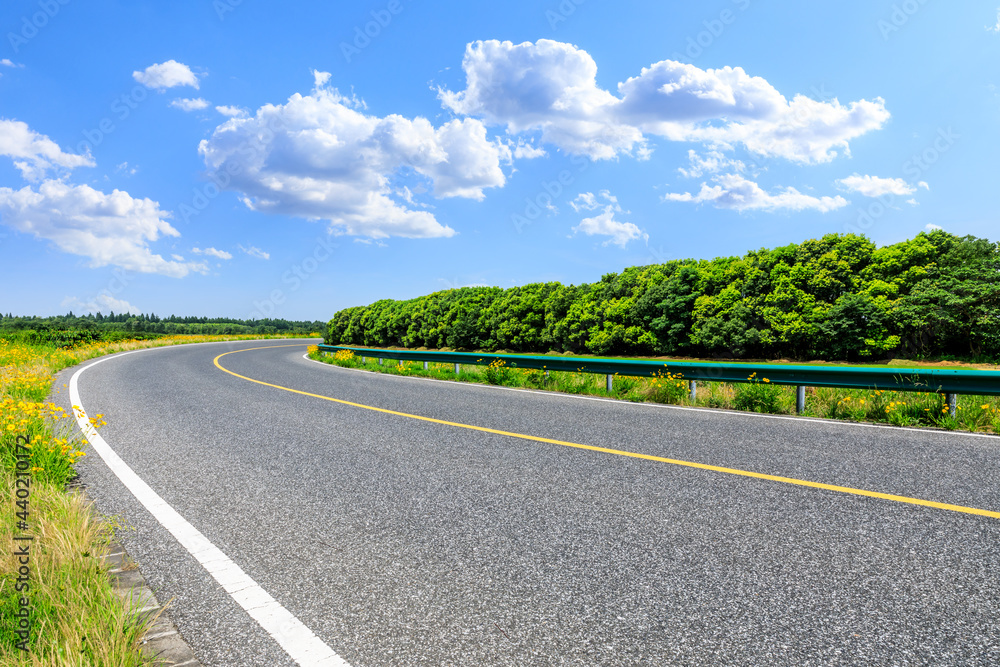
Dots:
pixel 76 616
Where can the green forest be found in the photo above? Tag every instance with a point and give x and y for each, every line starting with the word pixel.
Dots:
pixel 69 330
pixel 836 298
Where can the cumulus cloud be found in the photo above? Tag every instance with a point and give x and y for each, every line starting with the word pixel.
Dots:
pixel 585 201
pixel 932 227
pixel 319 156
pixel 255 252
pixel 190 104
pixel 167 75
pixel 733 191
pixel 550 87
pixel 724 107
pixel 604 224
pixel 33 153
pixel 619 233
pixel 231 111
pixel 588 201
pixel 109 229
pixel 320 78
pixel 527 151
pixel 212 252
pixel 103 303
pixel 995 28
pixel 711 163
pixel 873 186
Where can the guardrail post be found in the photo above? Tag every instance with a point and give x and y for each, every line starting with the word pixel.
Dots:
pixel 693 385
pixel 953 404
pixel 425 365
pixel 611 383
pixel 400 363
pixel 364 360
pixel 800 400
pixel 456 369
pixel 380 361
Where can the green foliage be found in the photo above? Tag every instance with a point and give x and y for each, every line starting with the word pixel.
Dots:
pixel 498 373
pixel 667 388
pixel 758 395
pixel 837 298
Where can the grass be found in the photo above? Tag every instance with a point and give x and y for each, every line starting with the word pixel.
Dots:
pixel 76 617
pixel 980 414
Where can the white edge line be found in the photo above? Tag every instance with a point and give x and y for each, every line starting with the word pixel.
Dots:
pixel 661 406
pixel 298 641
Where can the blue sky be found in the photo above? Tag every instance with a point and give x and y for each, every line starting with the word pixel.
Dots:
pixel 251 159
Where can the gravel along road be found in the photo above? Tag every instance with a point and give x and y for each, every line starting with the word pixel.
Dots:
pixel 454 524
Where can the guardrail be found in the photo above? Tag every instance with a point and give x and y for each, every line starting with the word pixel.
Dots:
pixel 950 382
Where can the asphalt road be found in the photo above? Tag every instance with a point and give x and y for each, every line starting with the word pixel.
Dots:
pixel 404 542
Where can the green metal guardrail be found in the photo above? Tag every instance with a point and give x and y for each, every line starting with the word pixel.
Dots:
pixel 939 380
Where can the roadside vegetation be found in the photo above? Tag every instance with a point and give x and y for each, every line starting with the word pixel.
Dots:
pixel 979 414
pixel 75 616
pixel 838 298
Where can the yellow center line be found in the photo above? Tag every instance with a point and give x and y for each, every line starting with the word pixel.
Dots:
pixel 619 452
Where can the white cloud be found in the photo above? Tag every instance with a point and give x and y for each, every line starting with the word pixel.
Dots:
pixel 231 111
pixel 123 168
pixel 108 229
pixel 320 78
pixel 727 106
pixel 7 62
pixel 923 184
pixel 255 252
pixel 711 163
pixel 212 252
pixel 735 192
pixel 103 303
pixel 873 186
pixel 933 227
pixel 190 104
pixel 34 154
pixel 527 151
pixel 995 28
pixel 550 87
pixel 167 75
pixel 588 201
pixel 585 201
pixel 619 233
pixel 319 157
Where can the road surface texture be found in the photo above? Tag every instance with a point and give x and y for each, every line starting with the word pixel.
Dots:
pixel 406 542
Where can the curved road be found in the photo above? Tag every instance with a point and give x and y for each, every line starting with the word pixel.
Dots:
pixel 400 541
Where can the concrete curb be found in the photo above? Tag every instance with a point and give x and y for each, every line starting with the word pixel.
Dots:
pixel 162 644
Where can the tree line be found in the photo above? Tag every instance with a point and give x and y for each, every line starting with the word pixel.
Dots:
pixel 835 298
pixel 68 330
